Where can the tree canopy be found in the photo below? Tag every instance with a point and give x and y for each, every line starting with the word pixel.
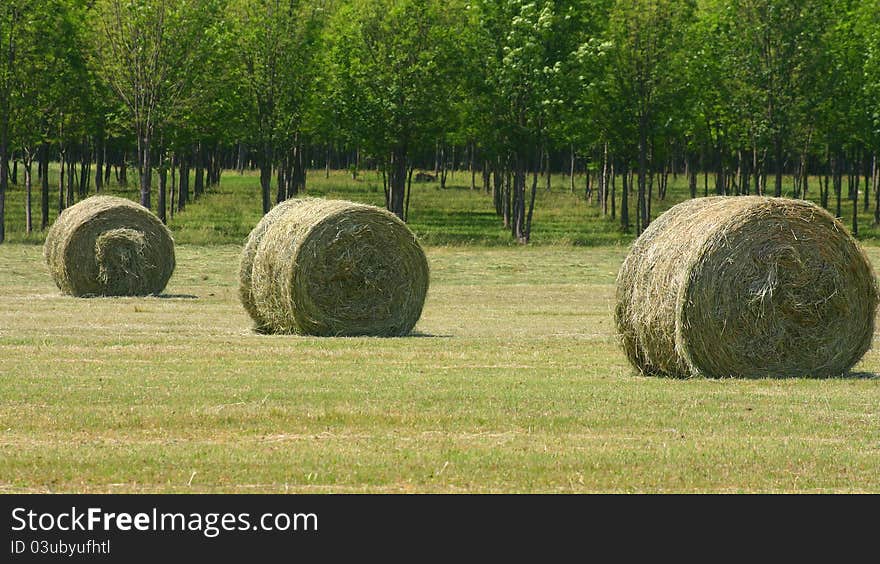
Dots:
pixel 741 89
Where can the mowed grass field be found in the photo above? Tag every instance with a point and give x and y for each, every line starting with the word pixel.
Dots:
pixel 513 383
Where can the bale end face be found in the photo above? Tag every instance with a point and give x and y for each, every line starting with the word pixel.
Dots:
pixel 122 269
pixel 108 246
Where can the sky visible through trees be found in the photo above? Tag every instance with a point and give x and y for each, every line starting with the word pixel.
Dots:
pixel 747 91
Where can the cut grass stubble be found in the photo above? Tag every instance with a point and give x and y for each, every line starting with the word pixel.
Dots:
pixel 137 394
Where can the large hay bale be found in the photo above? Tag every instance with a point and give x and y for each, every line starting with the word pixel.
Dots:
pixel 746 287
pixel 108 246
pixel 333 268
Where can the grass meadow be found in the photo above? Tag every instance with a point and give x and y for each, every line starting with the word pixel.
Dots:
pixel 513 382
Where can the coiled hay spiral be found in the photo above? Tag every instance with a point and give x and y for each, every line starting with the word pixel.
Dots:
pixel 109 246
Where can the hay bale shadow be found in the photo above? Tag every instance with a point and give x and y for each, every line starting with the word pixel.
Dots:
pixel 430 335
pixel 860 376
pixel 411 335
pixel 176 296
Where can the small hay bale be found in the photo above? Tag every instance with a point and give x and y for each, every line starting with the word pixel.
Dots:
pixel 745 287
pixel 108 246
pixel 333 268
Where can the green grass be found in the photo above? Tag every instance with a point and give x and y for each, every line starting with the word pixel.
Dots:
pixel 514 384
pixel 454 216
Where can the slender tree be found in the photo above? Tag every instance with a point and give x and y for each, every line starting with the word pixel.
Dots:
pixel 146 51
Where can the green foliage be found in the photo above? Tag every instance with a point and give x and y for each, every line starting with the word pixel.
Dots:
pixel 392 72
pixel 788 85
pixel 867 28
pixel 145 51
pixel 275 44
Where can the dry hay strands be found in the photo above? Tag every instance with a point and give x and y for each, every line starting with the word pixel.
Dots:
pixel 746 287
pixel 108 246
pixel 333 268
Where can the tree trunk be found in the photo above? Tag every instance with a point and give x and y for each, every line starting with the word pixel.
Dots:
pixel 691 174
pixel 649 194
pixel 327 163
pixel 486 176
pixel 642 216
pixel 409 175
pixel 145 169
pixel 805 183
pixel 281 193
pixel 28 215
pixel 624 202
pixel 838 184
pixel 613 194
pixel 546 169
pixel 472 165
pixel 603 182
pixel 183 187
pixel 444 169
pixel 498 188
pixel 71 170
pixel 163 183
pixel 823 190
pixel 397 169
pixel 875 176
pixel 199 186
pixel 85 165
pixel 107 167
pixel 123 170
pixel 61 158
pixel 505 195
pixel 527 231
pixel 452 163
pixel 705 174
pixel 517 223
pixel 385 185
pixel 746 176
pixel 297 169
pixel 4 163
pixel 778 147
pixel 100 155
pixel 664 182
pixel 266 177
pixel 855 199
pixel 171 207
pixel 44 185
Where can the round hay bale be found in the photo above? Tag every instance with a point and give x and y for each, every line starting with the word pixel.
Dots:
pixel 108 246
pixel 745 287
pixel 333 268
